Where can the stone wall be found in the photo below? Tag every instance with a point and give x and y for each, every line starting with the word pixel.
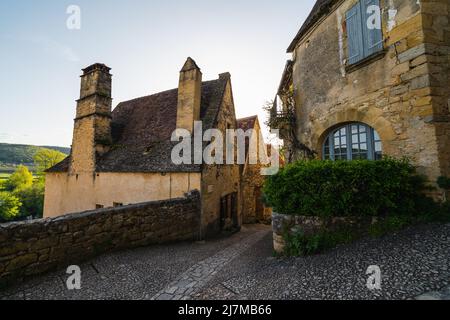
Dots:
pixel 252 182
pixel 288 224
pixel 404 95
pixel 65 193
pixel 220 180
pixel 30 248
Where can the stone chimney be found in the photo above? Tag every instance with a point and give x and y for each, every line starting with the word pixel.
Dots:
pixel 189 96
pixel 92 129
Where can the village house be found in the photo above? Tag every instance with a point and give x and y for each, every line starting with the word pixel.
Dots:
pixel 369 78
pixel 123 157
pixel 252 181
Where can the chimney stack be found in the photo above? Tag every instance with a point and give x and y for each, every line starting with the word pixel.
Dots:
pixel 189 95
pixel 92 129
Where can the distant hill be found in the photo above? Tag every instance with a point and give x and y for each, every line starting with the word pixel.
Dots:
pixel 12 155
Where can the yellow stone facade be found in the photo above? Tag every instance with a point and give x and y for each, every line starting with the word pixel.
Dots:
pixel 403 93
pixel 81 186
pixel 83 192
pixel 252 183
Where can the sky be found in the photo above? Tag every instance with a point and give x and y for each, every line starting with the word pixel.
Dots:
pixel 145 42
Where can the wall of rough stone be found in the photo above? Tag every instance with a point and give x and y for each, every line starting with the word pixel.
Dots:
pixel 220 180
pixel 403 95
pixel 436 23
pixel 251 181
pixel 288 224
pixel 30 248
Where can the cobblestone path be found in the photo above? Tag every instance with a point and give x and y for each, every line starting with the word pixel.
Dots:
pixel 415 264
pixel 196 277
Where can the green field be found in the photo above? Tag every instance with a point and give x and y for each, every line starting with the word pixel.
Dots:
pixel 3 178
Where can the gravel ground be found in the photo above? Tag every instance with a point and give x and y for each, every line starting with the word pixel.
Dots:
pixel 414 264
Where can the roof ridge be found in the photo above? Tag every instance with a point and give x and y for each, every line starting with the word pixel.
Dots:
pixel 146 96
pixel 161 92
pixel 320 8
pixel 247 118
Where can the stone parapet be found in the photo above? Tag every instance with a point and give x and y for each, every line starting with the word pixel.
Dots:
pixel 34 247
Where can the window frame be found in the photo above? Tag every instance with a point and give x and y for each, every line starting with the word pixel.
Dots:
pixel 361 38
pixel 371 140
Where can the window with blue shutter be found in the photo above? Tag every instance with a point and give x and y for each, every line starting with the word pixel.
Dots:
pixel 355 36
pixel 365 37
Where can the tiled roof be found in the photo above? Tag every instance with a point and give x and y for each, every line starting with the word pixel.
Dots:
pixel 321 8
pixel 142 128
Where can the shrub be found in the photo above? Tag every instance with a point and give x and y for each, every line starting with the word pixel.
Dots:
pixel 21 178
pixel 444 183
pixel 299 244
pixel 389 225
pixel 32 199
pixel 345 188
pixel 9 206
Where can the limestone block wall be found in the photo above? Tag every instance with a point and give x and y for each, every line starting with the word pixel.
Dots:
pixel 220 180
pixel 250 182
pixel 403 94
pixel 436 23
pixel 30 248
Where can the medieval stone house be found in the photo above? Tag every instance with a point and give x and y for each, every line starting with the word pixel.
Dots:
pixel 123 157
pixel 369 78
pixel 252 181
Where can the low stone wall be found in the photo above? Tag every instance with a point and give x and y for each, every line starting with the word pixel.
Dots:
pixel 30 248
pixel 282 224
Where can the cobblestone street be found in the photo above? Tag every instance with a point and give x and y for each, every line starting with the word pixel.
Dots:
pixel 414 263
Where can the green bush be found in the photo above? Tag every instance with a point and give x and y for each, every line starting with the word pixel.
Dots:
pixel 299 244
pixel 9 207
pixel 32 198
pixel 346 188
pixel 444 183
pixel 21 178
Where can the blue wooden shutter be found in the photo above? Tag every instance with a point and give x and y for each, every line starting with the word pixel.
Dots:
pixel 373 38
pixel 355 35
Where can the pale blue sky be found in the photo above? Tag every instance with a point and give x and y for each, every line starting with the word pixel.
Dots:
pixel 145 43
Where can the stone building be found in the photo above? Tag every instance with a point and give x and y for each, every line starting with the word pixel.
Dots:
pixel 369 78
pixel 123 157
pixel 252 181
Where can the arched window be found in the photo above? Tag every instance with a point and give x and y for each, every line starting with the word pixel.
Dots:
pixel 352 142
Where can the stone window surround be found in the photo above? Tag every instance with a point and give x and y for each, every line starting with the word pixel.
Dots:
pixel 372 137
pixel 372 117
pixel 366 61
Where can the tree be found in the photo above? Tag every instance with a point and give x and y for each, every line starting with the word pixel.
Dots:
pixel 32 199
pixel 9 206
pixel 46 158
pixel 21 178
